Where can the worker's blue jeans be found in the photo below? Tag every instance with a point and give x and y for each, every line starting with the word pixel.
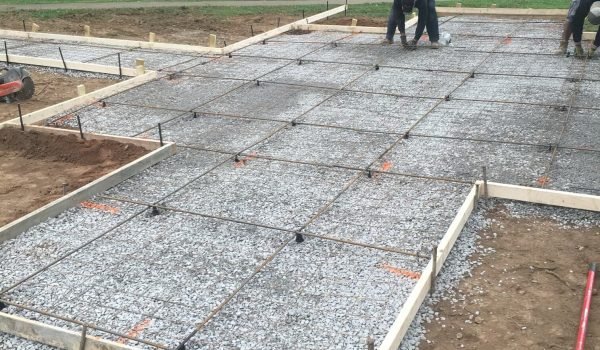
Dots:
pixel 427 18
pixel 396 19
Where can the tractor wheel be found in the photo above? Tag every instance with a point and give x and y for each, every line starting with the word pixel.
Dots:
pixel 27 91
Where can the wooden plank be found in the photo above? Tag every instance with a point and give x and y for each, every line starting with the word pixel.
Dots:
pixel 148 144
pixel 544 196
pixel 52 335
pixel 86 67
pixel 84 100
pixel 349 29
pixel 101 184
pixel 278 31
pixel 415 299
pixel 589 36
pixel 129 44
pixel 445 11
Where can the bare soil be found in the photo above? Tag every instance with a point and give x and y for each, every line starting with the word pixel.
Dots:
pixel 526 295
pixel 183 28
pixel 34 166
pixel 186 27
pixel 50 89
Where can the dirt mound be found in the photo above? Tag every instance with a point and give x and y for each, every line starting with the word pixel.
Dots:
pixel 37 167
pixel 70 148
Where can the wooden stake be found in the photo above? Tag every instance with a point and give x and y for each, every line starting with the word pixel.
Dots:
pixel 34 27
pixel 80 90
pixel 83 338
pixel 151 37
pixel 485 184
pixel 370 343
pixel 87 30
pixel 212 40
pixel 140 66
pixel 80 128
pixel 434 269
pixel 354 22
pixel 21 117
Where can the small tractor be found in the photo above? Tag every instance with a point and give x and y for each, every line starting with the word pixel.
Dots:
pixel 15 84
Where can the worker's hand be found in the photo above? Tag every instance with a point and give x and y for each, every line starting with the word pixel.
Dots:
pixel 592 51
pixel 579 51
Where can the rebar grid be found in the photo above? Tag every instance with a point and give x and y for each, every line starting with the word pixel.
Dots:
pixel 324 208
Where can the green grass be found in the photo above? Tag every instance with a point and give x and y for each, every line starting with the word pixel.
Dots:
pixel 358 10
pixel 466 3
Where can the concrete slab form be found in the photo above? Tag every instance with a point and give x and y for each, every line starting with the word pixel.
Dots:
pixel 157 153
pixel 316 186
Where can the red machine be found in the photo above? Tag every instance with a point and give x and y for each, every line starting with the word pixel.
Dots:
pixel 16 84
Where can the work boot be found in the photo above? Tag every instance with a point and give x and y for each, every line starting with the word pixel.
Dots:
pixel 579 53
pixel 592 51
pixel 411 45
pixel 435 45
pixel 387 41
pixel 562 49
pixel 403 40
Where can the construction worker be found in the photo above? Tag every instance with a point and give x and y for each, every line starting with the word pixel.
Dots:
pixel 427 18
pixel 574 25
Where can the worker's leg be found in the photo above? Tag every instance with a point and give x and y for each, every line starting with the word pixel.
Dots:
pixel 395 13
pixel 421 5
pixel 567 32
pixel 595 44
pixel 433 28
pixel 402 28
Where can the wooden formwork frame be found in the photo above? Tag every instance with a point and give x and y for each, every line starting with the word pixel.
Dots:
pixel 79 66
pixel 13 34
pixel 494 190
pixel 157 153
pixel 54 336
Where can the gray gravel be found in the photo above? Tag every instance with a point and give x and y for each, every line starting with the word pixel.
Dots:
pixel 392 211
pixel 464 159
pixel 369 112
pixel 314 295
pixel 325 146
pixel 285 102
pixel 171 271
pixel 494 122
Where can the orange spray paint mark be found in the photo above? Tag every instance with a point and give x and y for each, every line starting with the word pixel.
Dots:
pixel 101 207
pixel 400 272
pixel 136 330
pixel 543 180
pixel 386 166
pixel 242 162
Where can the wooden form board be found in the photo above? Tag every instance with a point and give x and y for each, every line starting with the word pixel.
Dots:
pixel 349 29
pixel 444 11
pixel 544 196
pixel 278 31
pixel 415 299
pixel 494 190
pixel 130 44
pixel 101 184
pixel 170 47
pixel 53 336
pixel 85 67
pixel 84 100
pixel 79 66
